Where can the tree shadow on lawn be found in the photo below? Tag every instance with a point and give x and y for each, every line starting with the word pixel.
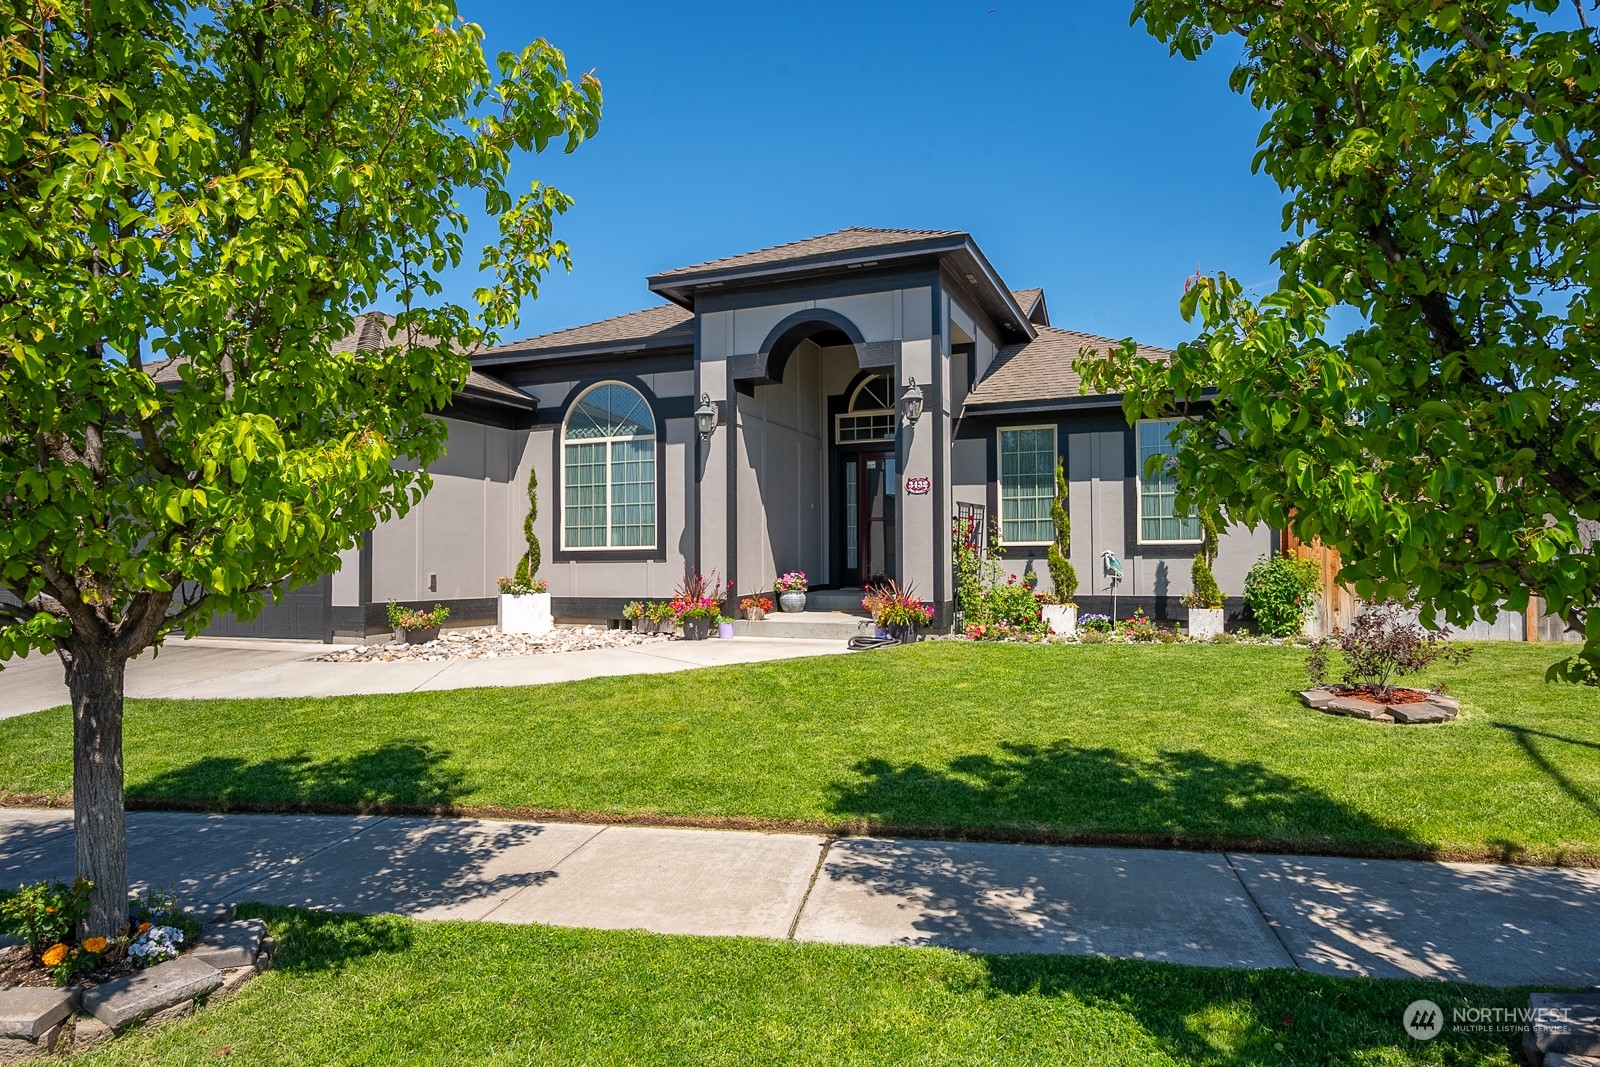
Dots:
pixel 1062 792
pixel 1524 738
pixel 400 777
pixel 1223 1018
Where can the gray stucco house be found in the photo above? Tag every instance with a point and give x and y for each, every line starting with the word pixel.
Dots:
pixel 806 353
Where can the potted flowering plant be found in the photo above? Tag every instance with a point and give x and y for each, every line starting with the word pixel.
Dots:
pixel 525 606
pixel 414 627
pixel 791 589
pixel 897 611
pixel 724 628
pixel 755 608
pixel 696 605
pixel 637 613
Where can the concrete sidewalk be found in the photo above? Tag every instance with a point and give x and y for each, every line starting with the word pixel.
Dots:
pixel 222 668
pixel 1494 925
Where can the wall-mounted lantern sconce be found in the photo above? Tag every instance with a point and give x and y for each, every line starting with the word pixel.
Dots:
pixel 911 403
pixel 705 417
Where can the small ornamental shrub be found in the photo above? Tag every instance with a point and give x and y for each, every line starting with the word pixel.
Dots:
pixel 409 619
pixel 1093 637
pixel 1381 645
pixel 1168 636
pixel 45 914
pixel 1139 627
pixel 1013 603
pixel 1224 639
pixel 1062 573
pixel 1207 594
pixel 1279 591
pixel 793 582
pixel 528 565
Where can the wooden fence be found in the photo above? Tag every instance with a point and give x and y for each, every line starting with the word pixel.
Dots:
pixel 1337 605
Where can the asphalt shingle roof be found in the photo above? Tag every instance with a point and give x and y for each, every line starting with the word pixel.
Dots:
pixel 848 240
pixel 1041 369
pixel 1026 299
pixel 371 331
pixel 648 324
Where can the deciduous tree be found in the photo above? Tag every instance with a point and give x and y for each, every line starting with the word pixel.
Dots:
pixel 213 190
pixel 1439 163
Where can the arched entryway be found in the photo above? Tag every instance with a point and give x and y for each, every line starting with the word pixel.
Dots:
pixel 816 458
pixel 866 477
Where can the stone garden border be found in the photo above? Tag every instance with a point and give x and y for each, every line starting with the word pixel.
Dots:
pixel 1437 708
pixel 37 1021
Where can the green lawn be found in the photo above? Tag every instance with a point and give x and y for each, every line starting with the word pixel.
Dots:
pixel 1193 744
pixel 391 991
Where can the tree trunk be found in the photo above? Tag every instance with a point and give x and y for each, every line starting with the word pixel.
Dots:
pixel 95 678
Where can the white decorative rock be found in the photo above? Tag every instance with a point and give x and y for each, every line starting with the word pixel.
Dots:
pixel 525 613
pixel 1205 623
pixel 1061 618
pixel 149 992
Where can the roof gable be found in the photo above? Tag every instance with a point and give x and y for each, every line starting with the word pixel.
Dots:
pixel 1041 370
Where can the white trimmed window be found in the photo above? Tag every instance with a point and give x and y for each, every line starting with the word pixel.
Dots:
pixel 1027 484
pixel 1159 520
pixel 870 414
pixel 608 470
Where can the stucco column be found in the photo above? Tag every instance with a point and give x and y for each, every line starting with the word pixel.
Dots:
pixel 917 519
pixel 714 485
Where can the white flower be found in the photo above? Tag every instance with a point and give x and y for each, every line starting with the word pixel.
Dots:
pixel 156 944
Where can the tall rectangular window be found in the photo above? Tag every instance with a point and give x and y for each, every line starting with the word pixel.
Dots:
pixel 1027 484
pixel 1159 520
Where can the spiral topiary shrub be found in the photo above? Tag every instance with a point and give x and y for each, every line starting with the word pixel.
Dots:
pixel 1062 574
pixel 528 565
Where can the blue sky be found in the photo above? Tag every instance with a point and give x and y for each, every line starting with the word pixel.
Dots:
pixel 1068 143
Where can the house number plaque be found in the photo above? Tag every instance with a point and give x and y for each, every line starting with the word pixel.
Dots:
pixel 918 486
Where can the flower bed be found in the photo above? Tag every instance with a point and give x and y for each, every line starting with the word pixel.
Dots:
pixel 59 993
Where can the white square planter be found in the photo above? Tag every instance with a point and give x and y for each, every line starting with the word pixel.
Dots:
pixel 1205 623
pixel 525 613
pixel 1061 618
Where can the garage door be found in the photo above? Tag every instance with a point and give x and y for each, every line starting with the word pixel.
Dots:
pixel 304 614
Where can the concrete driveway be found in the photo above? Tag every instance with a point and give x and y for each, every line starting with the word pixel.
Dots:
pixel 226 668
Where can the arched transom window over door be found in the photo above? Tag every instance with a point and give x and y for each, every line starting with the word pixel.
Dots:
pixel 608 470
pixel 870 414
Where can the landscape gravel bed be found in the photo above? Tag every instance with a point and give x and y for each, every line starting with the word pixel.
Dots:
pixel 487 642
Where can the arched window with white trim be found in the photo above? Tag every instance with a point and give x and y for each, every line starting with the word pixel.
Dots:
pixel 869 414
pixel 608 470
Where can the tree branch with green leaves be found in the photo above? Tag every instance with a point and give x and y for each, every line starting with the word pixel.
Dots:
pixel 196 200
pixel 1439 165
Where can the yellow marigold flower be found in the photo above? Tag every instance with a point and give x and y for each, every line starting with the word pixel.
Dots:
pixel 144 928
pixel 54 955
pixel 94 944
